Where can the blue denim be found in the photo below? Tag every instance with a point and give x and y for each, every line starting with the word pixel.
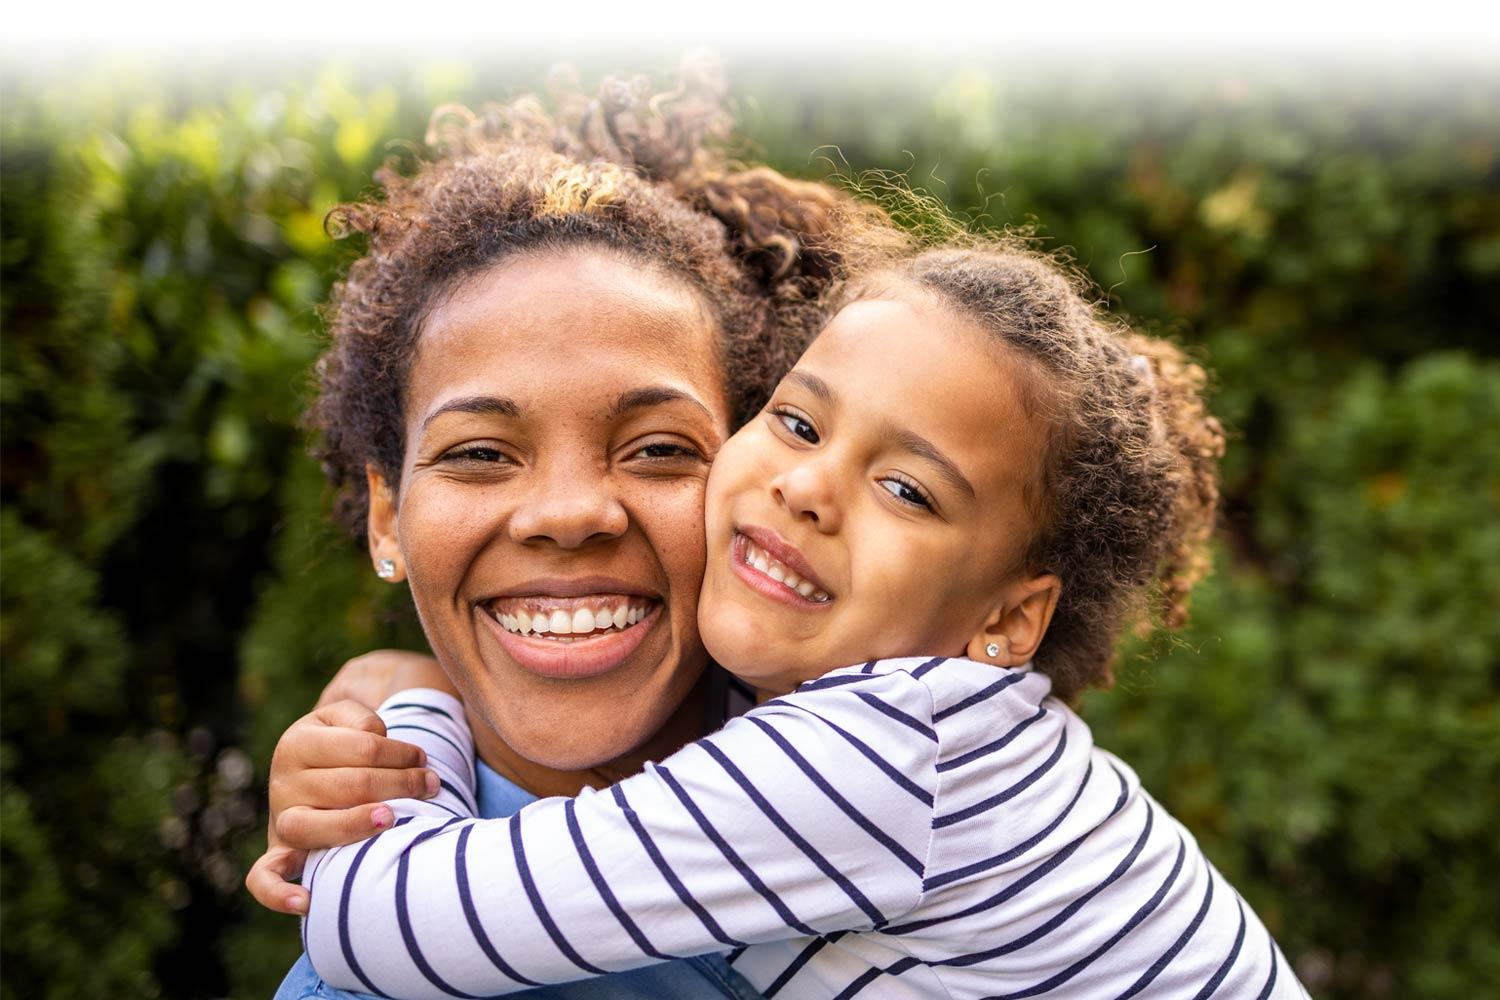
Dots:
pixel 705 977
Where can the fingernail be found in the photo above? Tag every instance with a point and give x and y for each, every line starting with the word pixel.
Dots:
pixel 423 761
pixel 432 784
pixel 382 817
pixel 297 903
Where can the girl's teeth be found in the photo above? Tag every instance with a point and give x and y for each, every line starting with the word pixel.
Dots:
pixel 583 621
pixel 523 622
pixel 761 561
pixel 561 623
pixel 621 616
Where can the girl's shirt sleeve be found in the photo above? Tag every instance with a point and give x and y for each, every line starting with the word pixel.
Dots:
pixel 808 815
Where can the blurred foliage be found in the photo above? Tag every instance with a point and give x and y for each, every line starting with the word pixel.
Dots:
pixel 174 596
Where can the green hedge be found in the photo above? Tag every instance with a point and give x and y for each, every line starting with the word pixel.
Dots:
pixel 174 596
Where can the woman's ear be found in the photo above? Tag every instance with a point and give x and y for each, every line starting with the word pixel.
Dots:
pixel 1014 630
pixel 384 541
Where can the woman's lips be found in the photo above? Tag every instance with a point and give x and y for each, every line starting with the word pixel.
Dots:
pixel 762 571
pixel 570 637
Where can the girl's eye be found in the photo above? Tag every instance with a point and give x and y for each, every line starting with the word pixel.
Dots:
pixel 906 492
pixel 797 426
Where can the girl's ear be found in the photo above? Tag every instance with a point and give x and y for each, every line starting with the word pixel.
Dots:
pixel 384 541
pixel 1011 635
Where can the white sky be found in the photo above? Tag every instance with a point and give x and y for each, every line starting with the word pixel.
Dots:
pixel 1432 26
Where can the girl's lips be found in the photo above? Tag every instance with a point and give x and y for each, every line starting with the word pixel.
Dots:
pixel 576 659
pixel 763 584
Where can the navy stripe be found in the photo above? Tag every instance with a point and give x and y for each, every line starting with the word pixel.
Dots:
pixel 1265 991
pixel 797 963
pixel 921 794
pixel 840 680
pixel 403 916
pixel 1025 881
pixel 553 931
pixel 1063 915
pixel 869 668
pixel 1015 852
pixel 844 804
pixel 709 923
pixel 1218 977
pixel 930 665
pixel 1161 963
pixel 870 975
pixel 858 898
pixel 980 695
pixel 1141 914
pixel 748 873
pixel 732 955
pixel 605 893
pixel 900 716
pixel 468 802
pixel 344 941
pixel 1001 797
pixel 422 708
pixel 991 747
pixel 466 899
pixel 433 732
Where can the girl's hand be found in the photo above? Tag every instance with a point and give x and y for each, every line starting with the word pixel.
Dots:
pixel 330 775
pixel 372 678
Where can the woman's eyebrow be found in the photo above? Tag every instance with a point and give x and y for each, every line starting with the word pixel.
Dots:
pixel 494 405
pixel 652 395
pixel 921 447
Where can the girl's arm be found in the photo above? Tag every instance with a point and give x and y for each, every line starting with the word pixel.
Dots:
pixel 809 815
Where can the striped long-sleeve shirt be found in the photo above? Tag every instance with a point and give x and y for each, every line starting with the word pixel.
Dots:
pixel 905 828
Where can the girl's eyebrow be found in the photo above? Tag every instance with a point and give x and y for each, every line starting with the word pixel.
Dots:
pixel 923 448
pixel 814 385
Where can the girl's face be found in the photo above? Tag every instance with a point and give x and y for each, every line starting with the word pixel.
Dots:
pixel 876 507
pixel 561 414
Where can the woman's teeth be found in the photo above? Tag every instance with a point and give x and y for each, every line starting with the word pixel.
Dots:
pixel 569 625
pixel 761 560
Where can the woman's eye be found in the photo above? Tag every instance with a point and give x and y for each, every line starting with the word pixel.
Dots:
pixel 906 493
pixel 667 449
pixel 475 453
pixel 797 426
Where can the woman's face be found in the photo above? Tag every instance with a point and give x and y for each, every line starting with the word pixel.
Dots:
pixel 561 415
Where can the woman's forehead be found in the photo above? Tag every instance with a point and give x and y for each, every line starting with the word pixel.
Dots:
pixel 581 325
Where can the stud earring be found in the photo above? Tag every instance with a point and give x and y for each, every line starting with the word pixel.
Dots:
pixel 992 650
pixel 385 569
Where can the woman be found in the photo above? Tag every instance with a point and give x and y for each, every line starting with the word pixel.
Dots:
pixel 596 291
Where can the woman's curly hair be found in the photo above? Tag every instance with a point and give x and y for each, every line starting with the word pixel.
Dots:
pixel 628 171
pixel 1126 498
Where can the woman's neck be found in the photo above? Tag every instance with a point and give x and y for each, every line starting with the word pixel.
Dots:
pixel 700 712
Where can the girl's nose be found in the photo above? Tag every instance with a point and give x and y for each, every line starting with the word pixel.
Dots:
pixel 571 506
pixel 807 491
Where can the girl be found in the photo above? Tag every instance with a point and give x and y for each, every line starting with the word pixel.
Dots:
pixel 967 486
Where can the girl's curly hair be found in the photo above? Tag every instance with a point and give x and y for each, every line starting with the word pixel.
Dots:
pixel 628 171
pixel 1126 497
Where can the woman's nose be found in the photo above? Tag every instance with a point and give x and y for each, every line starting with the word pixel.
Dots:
pixel 807 491
pixel 571 506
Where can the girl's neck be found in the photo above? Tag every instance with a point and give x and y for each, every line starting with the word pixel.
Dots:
pixel 700 713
